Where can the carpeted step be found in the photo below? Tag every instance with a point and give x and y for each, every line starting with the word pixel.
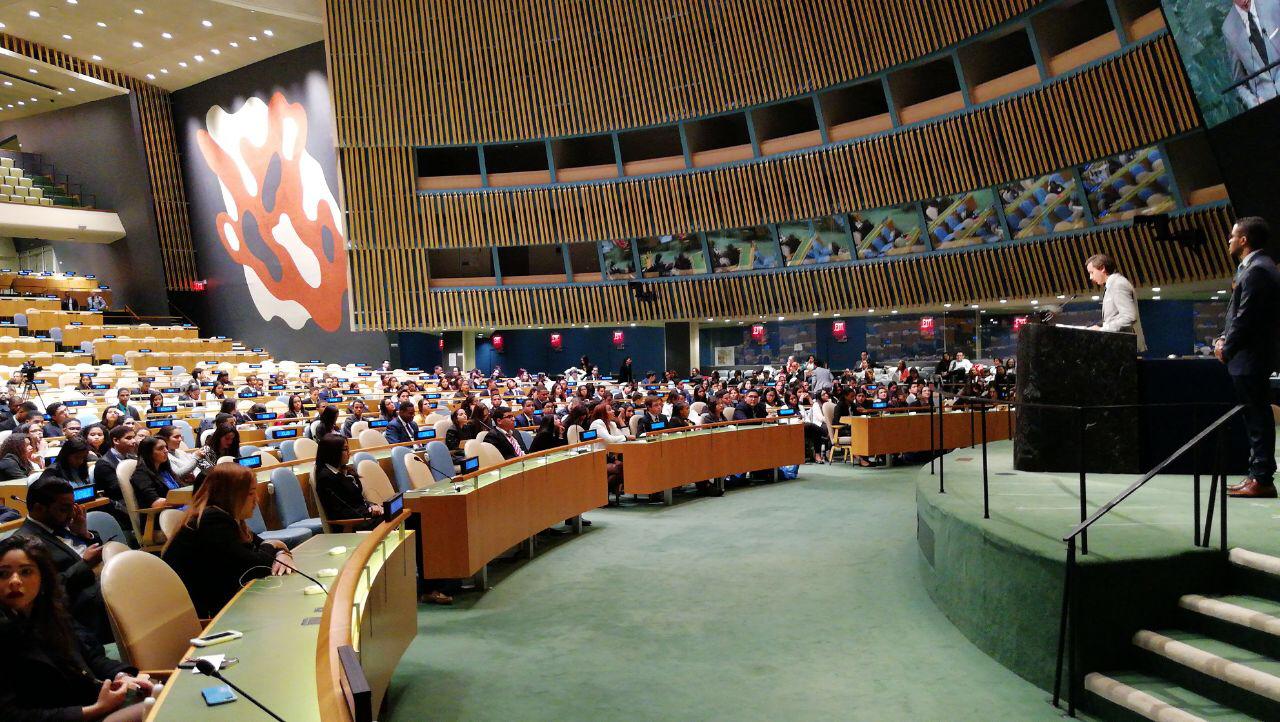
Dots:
pixel 1137 696
pixel 1231 675
pixel 1254 573
pixel 1246 621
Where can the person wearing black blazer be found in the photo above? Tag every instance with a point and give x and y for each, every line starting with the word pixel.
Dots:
pixel 52 669
pixel 1250 347
pixel 506 439
pixel 213 552
pixel 402 428
pixel 652 415
pixel 626 374
pixel 340 491
pixel 70 303
pixel 549 435
pixel 458 434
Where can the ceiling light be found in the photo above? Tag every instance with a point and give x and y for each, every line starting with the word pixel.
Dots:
pixel 72 90
pixel 21 103
pixel 206 23
pixel 33 71
pixel 8 82
pixel 167 36
pixel 1156 289
pixel 2 26
pixel 137 11
pixel 1155 298
pixel 710 320
pixel 96 58
pixel 633 325
pixel 101 24
pixel 254 38
pixel 1221 291
pixel 234 44
pixel 151 76
pixel 973 305
pixel 199 58
pixel 1062 296
pixel 182 63
pixel 946 305
pixel 10 105
pixel 66 37
pixel 1094 298
pixel 35 100
pixel 268 33
pixel 33 13
pixel 1035 302
pixel 894 311
pixel 215 51
pixel 815 313
pixel 73 2
pixel 1004 300
pixel 780 318
pixel 164 71
pixel 137 44
pixel 871 310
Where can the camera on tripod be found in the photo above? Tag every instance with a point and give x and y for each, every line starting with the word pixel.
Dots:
pixel 29 370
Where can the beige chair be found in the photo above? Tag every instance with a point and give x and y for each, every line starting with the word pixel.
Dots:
pixel 226 460
pixel 697 409
pixel 333 526
pixel 370 438
pixel 377 487
pixel 728 413
pixel 146 525
pixel 152 629
pixel 634 423
pixel 419 473
pixel 573 434
pixel 471 447
pixel 490 456
pixel 359 428
pixel 170 520
pixel 268 458
pixel 304 448
pixel 110 550
pixel 442 428
pixel 840 439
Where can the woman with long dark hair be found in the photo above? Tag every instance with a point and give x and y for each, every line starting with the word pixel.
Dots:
pixel 550 434
pixel 15 457
pixel 51 669
pixel 223 441
pixel 72 463
pixel 153 478
pixel 338 489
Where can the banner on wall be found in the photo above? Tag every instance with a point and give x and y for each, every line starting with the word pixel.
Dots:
pixel 281 222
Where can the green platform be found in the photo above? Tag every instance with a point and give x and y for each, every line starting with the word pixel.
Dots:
pixel 1000 579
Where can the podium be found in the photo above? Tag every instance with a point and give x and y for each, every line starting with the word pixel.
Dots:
pixel 1077 367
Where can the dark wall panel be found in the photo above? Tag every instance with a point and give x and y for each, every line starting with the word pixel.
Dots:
pixel 531 349
pixel 99 145
pixel 276 283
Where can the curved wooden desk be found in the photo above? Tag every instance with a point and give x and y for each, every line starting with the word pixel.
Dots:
pixel 290 662
pixel 669 459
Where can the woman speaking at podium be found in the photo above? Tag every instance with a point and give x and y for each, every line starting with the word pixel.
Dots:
pixel 1119 302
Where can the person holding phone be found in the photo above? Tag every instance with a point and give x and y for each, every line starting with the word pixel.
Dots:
pixel 50 670
pixel 214 552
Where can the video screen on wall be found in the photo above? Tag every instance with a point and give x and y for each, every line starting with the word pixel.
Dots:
pixel 617 259
pixel 1231 50
pixel 743 249
pixel 679 255
pixel 886 232
pixel 966 219
pixel 823 240
pixel 1128 184
pixel 1048 204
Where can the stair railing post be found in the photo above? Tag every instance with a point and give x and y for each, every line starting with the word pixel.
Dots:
pixel 1195 482
pixel 1222 485
pixel 1084 511
pixel 932 442
pixel 1068 571
pixel 942 448
pixel 986 496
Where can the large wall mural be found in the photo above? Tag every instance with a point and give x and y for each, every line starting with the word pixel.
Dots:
pixel 281 223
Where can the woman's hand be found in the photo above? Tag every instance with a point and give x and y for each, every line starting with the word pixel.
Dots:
pixel 278 568
pixel 110 698
pixel 375 510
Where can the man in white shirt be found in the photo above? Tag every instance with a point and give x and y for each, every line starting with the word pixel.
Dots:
pixel 1119 302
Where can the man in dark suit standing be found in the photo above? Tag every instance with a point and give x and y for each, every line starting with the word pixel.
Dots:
pixel 70 303
pixel 1248 347
pixel 55 520
pixel 402 428
pixel 505 439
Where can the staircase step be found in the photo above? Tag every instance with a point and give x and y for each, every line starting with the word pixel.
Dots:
pixel 1247 621
pixel 1144 696
pixel 1255 573
pixel 1238 677
pixel 1253 560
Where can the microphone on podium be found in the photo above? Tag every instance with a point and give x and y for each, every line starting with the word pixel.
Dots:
pixel 209 669
pixel 1050 312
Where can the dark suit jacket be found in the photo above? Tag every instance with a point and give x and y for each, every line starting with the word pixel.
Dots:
pixel 147 486
pixel 646 422
pixel 77 577
pixel 546 440
pixel 1253 319
pixel 38 686
pixel 498 439
pixel 523 421
pixel 400 431
pixel 341 495
pixel 11 468
pixel 213 560
pixel 104 475
pixel 70 304
pixel 743 411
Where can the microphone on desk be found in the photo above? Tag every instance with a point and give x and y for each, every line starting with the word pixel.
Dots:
pixel 303 574
pixel 209 669
pixel 18 499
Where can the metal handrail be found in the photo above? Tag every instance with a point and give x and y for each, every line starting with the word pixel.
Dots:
pixel 1105 508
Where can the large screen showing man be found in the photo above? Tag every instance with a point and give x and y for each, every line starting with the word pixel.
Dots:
pixel 1231 49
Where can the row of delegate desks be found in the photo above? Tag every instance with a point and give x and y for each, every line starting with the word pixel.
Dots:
pixel 915 431
pixel 75 335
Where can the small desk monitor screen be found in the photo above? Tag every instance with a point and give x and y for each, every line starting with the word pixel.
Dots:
pixel 588 435
pixel 657 426
pixel 284 433
pixel 251 462
pixel 393 507
pixel 378 423
pixel 424 434
pixel 81 494
pixel 470 464
pixel 786 412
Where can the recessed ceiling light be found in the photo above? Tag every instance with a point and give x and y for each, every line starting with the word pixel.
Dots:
pixel 101 24
pixel 268 33
pixel 10 105
pixel 164 71
pixel 1155 298
pixel 871 310
pixel 137 11
pixel 974 305
pixel 206 23
pixel 215 51
pixel 9 83
pixel 73 2
pixel 96 58
pixel 1156 289
pixel 234 44
pixel 71 90
pixel 780 318
pixel 1035 302
pixel 33 13
pixel 1094 298
pixel 33 71
pixel 1061 296
pixel 1221 291
pixel 182 63
pixel 137 44
pixel 167 36
pixel 35 100
pixel 66 37
pixel 21 103
pixel 199 58
pixel 894 311
pixel 815 313
pixel 1004 300
pixel 254 38
pixel 2 26
pixel 946 305
pixel 151 76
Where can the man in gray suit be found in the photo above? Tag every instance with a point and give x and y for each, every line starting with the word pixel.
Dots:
pixel 1119 302
pixel 1251 31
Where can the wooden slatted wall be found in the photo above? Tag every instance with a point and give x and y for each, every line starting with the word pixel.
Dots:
pixel 983 275
pixel 466 71
pixel 1056 126
pixel 154 110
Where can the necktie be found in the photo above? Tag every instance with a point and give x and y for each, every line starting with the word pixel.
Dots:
pixel 1255 37
pixel 515 445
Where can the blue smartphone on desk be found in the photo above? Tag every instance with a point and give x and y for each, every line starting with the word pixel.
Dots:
pixel 217 695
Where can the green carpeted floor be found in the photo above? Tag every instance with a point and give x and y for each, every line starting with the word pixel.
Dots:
pixel 798 600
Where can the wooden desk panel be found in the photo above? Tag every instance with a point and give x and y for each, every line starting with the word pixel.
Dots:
pixel 651 467
pixel 20 304
pixel 462 532
pixel 44 320
pixel 899 433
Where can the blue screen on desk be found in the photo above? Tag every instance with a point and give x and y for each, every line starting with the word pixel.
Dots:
pixel 470 464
